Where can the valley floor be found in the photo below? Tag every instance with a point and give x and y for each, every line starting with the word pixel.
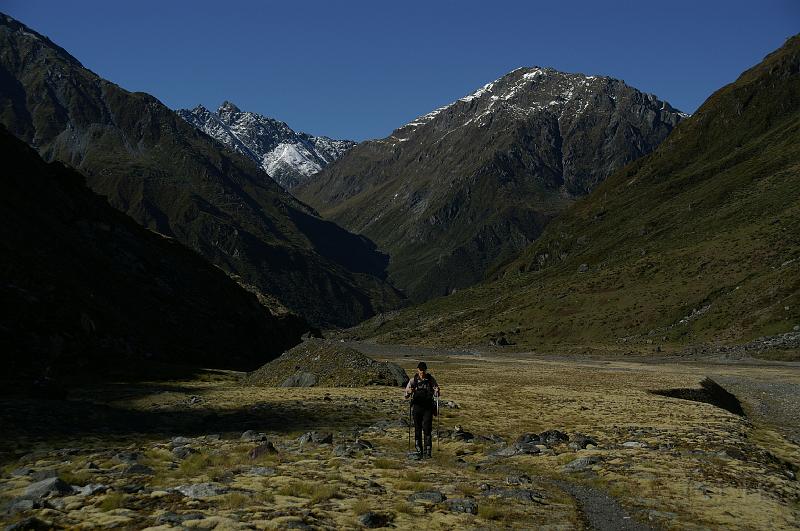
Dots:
pixel 175 454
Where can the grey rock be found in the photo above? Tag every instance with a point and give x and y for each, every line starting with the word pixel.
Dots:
pixel 430 496
pixel 180 441
pixel 507 451
pixel 581 464
pixel 372 519
pixel 47 487
pixel 462 505
pixel 316 437
pixel 22 504
pixel 523 495
pixel 580 441
pixel 24 471
pixel 251 435
pixel 182 452
pixel 201 490
pixel 30 524
pixel 300 379
pixel 522 479
pixel 262 471
pixel 634 444
pixel 583 268
pixel 139 469
pixel 373 487
pixel 39 475
pixel 90 489
pixel 263 449
pixel 553 437
pixel 128 458
pixel 177 519
pixel 397 373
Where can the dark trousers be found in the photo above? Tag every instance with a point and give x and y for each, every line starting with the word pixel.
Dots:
pixel 423 422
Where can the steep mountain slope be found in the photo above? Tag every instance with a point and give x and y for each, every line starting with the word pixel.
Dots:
pixel 459 190
pixel 85 288
pixel 170 177
pixel 287 156
pixel 698 241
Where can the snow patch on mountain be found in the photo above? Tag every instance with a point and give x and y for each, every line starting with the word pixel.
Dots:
pixel 289 157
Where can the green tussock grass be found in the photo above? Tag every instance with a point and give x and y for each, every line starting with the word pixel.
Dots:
pixel 113 500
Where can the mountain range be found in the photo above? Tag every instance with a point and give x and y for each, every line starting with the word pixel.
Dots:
pixel 288 157
pixel 696 242
pixel 457 192
pixel 170 177
pixel 87 290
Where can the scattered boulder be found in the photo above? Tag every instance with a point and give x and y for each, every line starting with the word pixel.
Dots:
pixel 252 436
pixel 581 464
pixel 139 469
pixel 580 442
pixel 182 452
pixel 263 449
pixel 523 495
pixel 30 524
pixel 316 437
pixel 300 379
pixel 459 434
pixel 90 489
pixel 462 505
pixel 39 475
pixel 21 505
pixel 180 441
pixel 47 487
pixel 373 487
pixel 372 519
pixel 128 458
pixel 262 471
pixel 634 444
pixel 430 496
pixel 522 479
pixel 201 490
pixel 324 363
pixel 553 437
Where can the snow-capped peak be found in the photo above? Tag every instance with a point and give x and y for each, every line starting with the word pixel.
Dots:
pixel 287 156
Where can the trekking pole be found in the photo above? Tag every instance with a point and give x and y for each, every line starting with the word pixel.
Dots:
pixel 409 426
pixel 438 423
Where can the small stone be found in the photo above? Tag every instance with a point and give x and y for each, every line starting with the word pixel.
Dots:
pixel 139 469
pixel 316 437
pixel 90 489
pixel 430 496
pixel 522 479
pixel 39 475
pixel 583 268
pixel 266 448
pixel 462 505
pixel 180 441
pixel 46 487
pixel 508 451
pixel 553 437
pixel 22 505
pixel 250 435
pixel 581 464
pixel 30 524
pixel 634 444
pixel 523 495
pixel 182 452
pixel 372 519
pixel 262 471
pixel 128 458
pixel 201 490
pixel 791 475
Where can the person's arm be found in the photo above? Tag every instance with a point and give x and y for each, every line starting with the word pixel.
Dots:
pixel 409 388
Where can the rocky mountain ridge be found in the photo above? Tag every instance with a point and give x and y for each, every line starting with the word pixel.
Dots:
pixel 464 188
pixel 287 156
pixel 172 178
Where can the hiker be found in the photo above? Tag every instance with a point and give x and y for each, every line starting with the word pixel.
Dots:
pixel 422 389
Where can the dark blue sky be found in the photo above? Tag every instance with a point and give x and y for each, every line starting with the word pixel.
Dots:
pixel 358 69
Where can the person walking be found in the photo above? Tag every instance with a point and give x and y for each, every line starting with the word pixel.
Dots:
pixel 422 389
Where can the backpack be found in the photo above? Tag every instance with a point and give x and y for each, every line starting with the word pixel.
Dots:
pixel 423 391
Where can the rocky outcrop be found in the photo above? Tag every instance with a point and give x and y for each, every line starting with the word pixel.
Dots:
pixel 326 364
